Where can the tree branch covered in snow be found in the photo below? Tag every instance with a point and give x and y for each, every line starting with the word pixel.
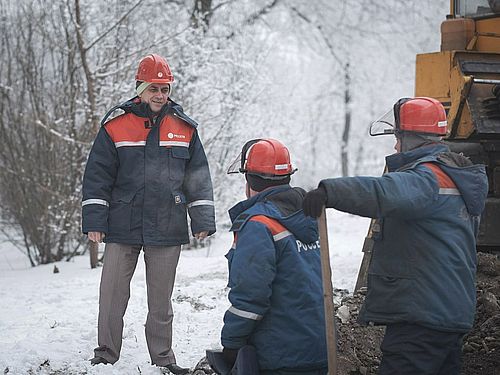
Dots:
pixel 243 69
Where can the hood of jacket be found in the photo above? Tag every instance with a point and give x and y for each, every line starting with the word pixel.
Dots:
pixel 470 179
pixel 284 204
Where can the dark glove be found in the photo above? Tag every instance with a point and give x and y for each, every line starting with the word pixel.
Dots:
pixel 314 201
pixel 229 355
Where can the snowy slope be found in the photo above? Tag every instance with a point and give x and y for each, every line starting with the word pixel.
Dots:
pixel 52 318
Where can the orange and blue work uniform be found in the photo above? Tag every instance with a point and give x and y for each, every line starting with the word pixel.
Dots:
pixel 144 174
pixel 422 272
pixel 275 283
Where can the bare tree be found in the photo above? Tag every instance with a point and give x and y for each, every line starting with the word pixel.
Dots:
pixel 243 69
pixel 49 115
pixel 344 155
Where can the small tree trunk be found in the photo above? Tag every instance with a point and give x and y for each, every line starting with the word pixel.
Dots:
pixel 202 11
pixel 347 124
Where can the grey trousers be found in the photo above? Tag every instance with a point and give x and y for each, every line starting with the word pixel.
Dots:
pixel 120 261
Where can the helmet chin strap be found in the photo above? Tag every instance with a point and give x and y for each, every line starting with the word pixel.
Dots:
pixel 411 141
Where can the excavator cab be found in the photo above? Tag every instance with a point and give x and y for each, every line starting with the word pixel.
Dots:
pixel 465 77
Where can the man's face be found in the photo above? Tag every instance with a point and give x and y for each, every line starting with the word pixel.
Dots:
pixel 397 146
pixel 156 95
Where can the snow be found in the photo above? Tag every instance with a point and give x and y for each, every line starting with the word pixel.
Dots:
pixel 49 320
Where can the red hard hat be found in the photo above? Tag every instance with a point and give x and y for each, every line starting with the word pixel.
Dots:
pixel 417 115
pixel 422 115
pixel 267 158
pixel 154 69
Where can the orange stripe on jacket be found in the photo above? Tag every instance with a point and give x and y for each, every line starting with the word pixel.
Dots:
pixel 274 226
pixel 174 129
pixel 444 181
pixel 130 128
pixel 127 128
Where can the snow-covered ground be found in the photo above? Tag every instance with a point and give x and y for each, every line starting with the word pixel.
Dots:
pixel 48 321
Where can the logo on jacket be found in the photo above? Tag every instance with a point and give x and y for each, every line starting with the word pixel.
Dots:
pixel 306 246
pixel 178 136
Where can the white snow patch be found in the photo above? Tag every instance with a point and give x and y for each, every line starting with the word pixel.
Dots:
pixel 53 317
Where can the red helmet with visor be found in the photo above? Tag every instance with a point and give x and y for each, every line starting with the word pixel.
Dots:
pixel 420 115
pixel 266 158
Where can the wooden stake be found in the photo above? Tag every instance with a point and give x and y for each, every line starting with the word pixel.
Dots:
pixel 94 252
pixel 326 274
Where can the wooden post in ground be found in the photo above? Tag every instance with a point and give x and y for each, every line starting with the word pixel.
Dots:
pixel 362 279
pixel 326 274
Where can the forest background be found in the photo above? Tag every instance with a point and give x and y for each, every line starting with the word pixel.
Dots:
pixel 312 74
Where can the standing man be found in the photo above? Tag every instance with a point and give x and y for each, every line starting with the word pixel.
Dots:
pixel 146 170
pixel 274 271
pixel 421 279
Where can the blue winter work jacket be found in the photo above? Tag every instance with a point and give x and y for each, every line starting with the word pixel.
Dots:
pixel 275 279
pixel 423 263
pixel 144 174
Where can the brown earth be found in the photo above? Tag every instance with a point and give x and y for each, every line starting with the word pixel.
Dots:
pixel 482 345
pixel 359 352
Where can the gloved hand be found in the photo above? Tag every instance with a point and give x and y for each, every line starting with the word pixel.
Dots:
pixel 314 201
pixel 230 355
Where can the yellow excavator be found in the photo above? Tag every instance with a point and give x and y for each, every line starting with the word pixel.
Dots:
pixel 465 77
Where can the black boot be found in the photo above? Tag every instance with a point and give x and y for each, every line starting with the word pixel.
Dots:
pixel 174 369
pixel 98 360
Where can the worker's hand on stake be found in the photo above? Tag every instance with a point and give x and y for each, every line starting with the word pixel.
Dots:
pixel 314 201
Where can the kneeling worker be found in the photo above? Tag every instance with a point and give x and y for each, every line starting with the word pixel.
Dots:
pixel 275 282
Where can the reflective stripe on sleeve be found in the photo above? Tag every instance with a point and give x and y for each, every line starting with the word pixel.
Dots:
pixel 174 143
pixel 244 314
pixel 201 202
pixel 95 201
pixel 449 191
pixel 130 143
pixel 281 235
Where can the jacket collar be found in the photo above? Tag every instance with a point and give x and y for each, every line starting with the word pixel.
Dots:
pixel 401 159
pixel 242 206
pixel 140 109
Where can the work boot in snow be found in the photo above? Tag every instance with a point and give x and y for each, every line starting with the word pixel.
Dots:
pixel 98 360
pixel 173 368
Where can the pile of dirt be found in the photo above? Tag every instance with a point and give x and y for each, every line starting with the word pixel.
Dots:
pixel 359 352
pixel 482 345
pixel 358 346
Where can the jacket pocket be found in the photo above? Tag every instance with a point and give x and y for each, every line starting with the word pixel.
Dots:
pixel 120 212
pixel 389 295
pixel 172 218
pixel 177 162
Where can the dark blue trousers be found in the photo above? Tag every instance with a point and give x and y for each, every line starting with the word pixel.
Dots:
pixel 246 362
pixel 323 371
pixel 411 349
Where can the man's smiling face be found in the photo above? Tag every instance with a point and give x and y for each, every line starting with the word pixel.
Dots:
pixel 156 95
